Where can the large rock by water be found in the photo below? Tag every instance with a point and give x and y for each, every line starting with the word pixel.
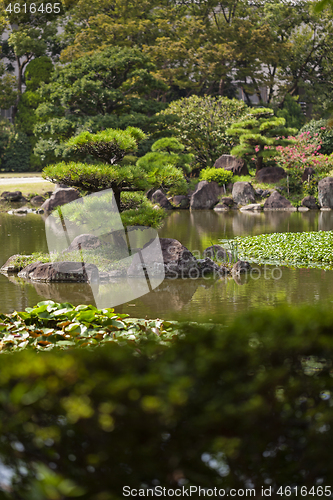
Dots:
pixel 29 269
pixel 181 201
pixel 277 202
pixel 235 165
pixel 253 207
pixel 205 196
pixel 218 253
pixel 84 242
pixel 60 197
pixel 243 193
pixel 309 202
pixel 37 201
pixel 325 192
pixel 160 198
pixel 64 271
pixel 13 196
pixel 240 267
pixel 11 265
pixel 270 175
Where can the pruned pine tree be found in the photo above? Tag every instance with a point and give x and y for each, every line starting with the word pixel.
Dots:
pixel 102 168
pixel 259 135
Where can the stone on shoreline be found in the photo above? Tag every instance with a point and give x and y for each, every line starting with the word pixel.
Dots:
pixel 10 267
pixel 206 196
pixel 240 267
pixel 60 197
pixel 63 271
pixel 325 192
pixel 243 193
pixel 278 202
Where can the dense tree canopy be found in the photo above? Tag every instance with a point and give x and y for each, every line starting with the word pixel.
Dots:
pixel 124 61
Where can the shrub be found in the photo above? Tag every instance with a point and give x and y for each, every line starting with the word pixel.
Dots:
pixel 202 124
pixel 304 152
pixel 218 175
pixel 166 165
pixel 224 406
pixel 323 130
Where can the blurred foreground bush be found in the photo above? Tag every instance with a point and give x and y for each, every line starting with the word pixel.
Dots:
pixel 247 404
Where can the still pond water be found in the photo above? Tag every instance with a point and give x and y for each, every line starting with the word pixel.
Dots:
pixel 195 300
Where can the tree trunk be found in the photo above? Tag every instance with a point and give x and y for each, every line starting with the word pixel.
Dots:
pixel 259 163
pixel 117 197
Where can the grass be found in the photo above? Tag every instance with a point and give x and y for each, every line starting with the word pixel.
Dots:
pixel 306 249
pixel 100 257
pixel 27 189
pixel 252 180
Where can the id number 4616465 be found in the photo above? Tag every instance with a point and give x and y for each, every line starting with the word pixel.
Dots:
pixel 44 8
pixel 303 491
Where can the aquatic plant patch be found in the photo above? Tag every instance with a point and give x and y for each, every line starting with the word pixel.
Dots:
pixel 306 249
pixel 50 325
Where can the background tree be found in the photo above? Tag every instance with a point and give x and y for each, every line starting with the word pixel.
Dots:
pixel 260 135
pixel 202 123
pixel 111 89
pixel 8 92
pixel 31 34
pixel 37 72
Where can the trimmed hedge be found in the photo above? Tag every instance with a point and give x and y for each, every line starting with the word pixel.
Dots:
pixel 225 407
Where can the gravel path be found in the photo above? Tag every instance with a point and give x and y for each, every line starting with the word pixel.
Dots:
pixel 21 180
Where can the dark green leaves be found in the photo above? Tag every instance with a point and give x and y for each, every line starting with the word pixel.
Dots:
pixel 50 325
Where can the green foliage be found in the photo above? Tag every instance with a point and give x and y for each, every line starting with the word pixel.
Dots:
pixel 291 112
pixel 110 89
pixel 294 181
pixel 225 405
pixel 323 130
pixel 166 152
pixel 218 175
pixel 6 132
pixel 97 177
pixel 136 210
pixel 168 144
pixel 310 187
pixel 202 124
pixel 50 325
pixel 108 145
pixel 260 136
pixel 306 249
pixel 17 155
pixel 8 88
pixel 38 71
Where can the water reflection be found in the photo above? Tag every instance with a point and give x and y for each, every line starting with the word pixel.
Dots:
pixel 194 300
pixel 200 229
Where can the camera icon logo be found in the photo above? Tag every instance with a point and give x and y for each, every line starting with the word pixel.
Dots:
pixel 119 263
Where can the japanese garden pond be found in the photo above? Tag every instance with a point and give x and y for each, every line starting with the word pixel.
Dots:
pixel 188 299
